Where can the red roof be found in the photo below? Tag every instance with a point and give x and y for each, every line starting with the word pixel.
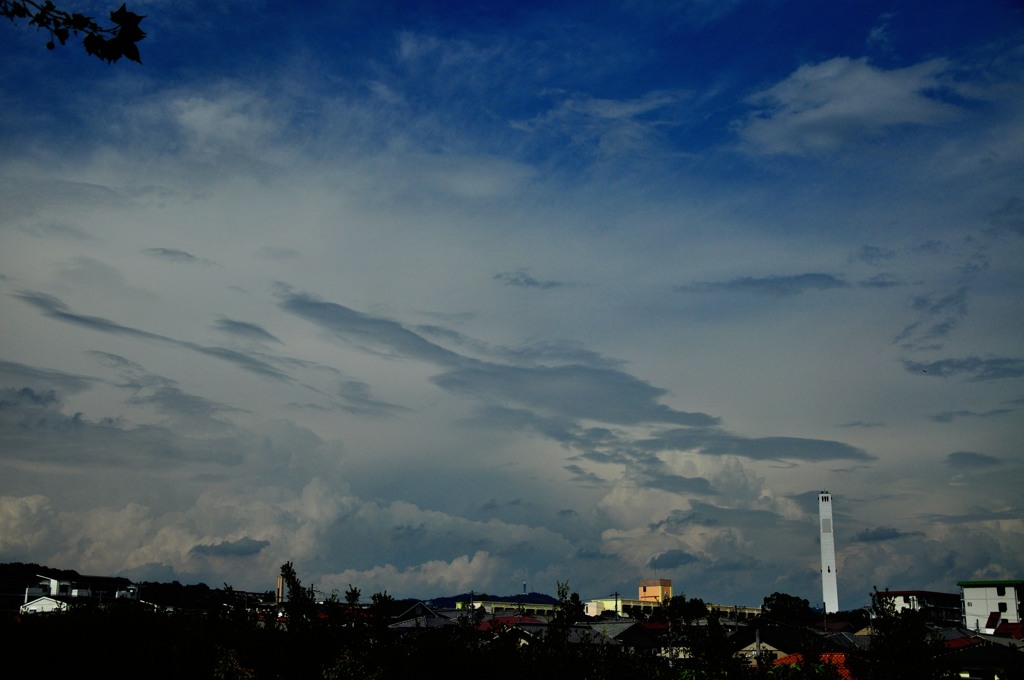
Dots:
pixel 835 659
pixel 961 642
pixel 502 621
pixel 1012 630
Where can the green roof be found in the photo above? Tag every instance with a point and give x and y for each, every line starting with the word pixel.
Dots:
pixel 984 584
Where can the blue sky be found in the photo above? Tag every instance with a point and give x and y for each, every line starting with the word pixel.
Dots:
pixel 437 298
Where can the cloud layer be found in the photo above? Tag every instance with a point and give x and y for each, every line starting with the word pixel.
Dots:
pixel 518 295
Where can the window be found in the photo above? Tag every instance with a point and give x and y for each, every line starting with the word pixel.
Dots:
pixel 1002 606
pixel 1000 591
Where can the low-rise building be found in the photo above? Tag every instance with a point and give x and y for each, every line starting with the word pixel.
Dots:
pixel 43 605
pixel 987 604
pixel 936 607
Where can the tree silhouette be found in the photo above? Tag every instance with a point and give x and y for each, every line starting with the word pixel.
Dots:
pixel 787 608
pixel 902 644
pixel 108 43
pixel 300 606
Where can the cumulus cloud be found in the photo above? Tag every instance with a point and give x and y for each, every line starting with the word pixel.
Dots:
pixel 460 574
pixel 26 523
pixel 670 559
pixel 243 547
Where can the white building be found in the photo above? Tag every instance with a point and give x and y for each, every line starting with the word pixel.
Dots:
pixel 986 604
pixel 829 585
pixel 43 605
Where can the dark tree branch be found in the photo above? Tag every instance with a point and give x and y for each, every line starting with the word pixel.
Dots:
pixel 108 43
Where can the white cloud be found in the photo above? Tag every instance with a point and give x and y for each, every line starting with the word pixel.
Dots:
pixel 461 574
pixel 824 107
pixel 27 525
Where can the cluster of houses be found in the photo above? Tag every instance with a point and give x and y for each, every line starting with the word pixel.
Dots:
pixel 54 594
pixel 981 624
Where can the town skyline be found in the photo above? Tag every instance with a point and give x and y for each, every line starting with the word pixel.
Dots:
pixel 429 298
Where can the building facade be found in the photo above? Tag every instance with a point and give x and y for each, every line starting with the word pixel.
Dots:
pixel 986 604
pixel 655 590
pixel 942 608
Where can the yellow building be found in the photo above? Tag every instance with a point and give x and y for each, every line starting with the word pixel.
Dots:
pixel 655 590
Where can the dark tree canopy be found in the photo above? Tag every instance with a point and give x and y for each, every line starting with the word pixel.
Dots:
pixel 108 43
pixel 786 607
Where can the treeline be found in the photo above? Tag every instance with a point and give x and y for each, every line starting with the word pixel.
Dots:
pixel 344 637
pixel 126 639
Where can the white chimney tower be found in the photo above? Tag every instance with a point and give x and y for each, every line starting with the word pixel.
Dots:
pixel 829 587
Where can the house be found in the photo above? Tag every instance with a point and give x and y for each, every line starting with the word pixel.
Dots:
pixel 625 632
pixel 987 604
pixel 764 641
pixel 936 607
pixel 43 605
pixel 56 594
pixel 985 661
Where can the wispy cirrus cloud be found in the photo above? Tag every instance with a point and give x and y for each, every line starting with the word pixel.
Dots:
pixel 358 399
pixel 609 127
pixel 874 255
pixel 54 308
pixel 521 278
pixel 971 460
pixel 56 230
pixel 863 423
pixel 245 329
pixel 175 255
pixel 950 416
pixel 883 534
pixel 975 369
pixel 880 281
pixel 821 108
pixel 776 286
pixel 1009 216
pixel 574 390
pixel 16 374
pixel 715 442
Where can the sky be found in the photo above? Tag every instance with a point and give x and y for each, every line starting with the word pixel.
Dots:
pixel 433 297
